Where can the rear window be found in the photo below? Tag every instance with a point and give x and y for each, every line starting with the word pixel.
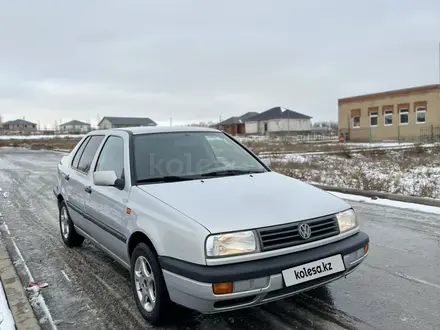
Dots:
pixel 89 153
pixel 79 153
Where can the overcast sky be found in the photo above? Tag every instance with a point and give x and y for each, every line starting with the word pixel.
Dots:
pixel 196 60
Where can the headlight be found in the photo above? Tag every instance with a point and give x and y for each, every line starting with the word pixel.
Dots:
pixel 231 244
pixel 346 220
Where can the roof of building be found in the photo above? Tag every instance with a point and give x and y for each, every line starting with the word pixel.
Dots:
pixel 238 120
pixel 129 121
pixel 75 122
pixel 390 93
pixel 278 113
pixel 18 122
pixel 161 129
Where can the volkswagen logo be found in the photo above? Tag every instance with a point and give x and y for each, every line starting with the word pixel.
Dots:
pixel 304 231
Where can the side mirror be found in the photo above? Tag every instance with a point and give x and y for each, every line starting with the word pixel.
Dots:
pixel 108 178
pixel 266 161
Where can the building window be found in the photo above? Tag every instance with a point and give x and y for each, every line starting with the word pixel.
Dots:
pixel 373 119
pixel 356 122
pixel 421 115
pixel 388 118
pixel 404 119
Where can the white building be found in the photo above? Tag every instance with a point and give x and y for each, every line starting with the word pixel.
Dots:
pixel 115 122
pixel 278 120
pixel 75 127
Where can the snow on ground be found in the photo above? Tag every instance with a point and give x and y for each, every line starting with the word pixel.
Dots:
pixel 38 137
pixel 377 144
pixel 387 202
pixel 291 139
pixel 6 318
pixel 414 172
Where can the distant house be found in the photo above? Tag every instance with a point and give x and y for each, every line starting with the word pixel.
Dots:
pixel 19 126
pixel 117 122
pixel 75 127
pixel 235 125
pixel 279 121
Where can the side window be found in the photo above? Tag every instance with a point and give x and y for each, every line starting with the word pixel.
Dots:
pixel 79 152
pixel 111 157
pixel 89 152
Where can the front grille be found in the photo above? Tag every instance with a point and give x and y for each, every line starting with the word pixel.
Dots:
pixel 283 236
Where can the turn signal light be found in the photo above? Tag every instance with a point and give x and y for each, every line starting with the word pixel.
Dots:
pixel 222 288
pixel 365 248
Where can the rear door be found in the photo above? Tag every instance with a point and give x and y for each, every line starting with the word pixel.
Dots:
pixel 74 196
pixel 79 179
pixel 105 205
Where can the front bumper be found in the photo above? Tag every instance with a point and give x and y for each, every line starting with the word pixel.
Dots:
pixel 255 282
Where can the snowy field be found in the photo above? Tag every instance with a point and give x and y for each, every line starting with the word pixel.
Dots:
pixel 414 172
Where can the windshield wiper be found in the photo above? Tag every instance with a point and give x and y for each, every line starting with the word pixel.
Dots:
pixel 229 172
pixel 167 178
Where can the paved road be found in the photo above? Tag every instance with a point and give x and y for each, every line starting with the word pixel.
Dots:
pixel 397 287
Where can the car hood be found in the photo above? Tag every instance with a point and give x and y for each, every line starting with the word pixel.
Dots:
pixel 246 201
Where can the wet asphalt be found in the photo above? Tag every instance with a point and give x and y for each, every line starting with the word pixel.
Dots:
pixel 397 286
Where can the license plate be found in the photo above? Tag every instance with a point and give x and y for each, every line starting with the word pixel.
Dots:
pixel 313 270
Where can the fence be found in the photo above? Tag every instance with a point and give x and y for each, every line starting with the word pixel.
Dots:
pixel 407 133
pixel 430 134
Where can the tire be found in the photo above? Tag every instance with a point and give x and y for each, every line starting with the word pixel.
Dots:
pixel 68 233
pixel 155 313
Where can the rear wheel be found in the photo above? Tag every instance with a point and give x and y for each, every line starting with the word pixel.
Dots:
pixel 149 288
pixel 68 233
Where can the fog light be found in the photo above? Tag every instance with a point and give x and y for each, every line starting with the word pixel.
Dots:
pixel 222 288
pixel 366 248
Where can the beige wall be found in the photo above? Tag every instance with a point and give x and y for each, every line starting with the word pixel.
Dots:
pixel 410 131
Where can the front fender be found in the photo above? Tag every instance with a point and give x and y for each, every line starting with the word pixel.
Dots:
pixel 172 233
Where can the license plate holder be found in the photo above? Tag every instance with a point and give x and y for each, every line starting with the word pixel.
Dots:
pixel 313 270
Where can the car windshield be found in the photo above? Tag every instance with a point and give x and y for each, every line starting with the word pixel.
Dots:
pixel 190 155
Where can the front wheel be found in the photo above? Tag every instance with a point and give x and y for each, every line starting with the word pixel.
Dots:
pixel 68 233
pixel 149 288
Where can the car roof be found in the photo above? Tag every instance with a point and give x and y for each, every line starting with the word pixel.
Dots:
pixel 158 129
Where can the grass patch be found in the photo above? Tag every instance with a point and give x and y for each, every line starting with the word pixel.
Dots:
pixel 414 172
pixel 49 144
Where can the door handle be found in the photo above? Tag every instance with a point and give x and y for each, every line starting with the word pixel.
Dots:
pixel 67 177
pixel 88 189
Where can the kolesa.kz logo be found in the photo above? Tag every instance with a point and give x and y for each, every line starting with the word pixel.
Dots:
pixel 313 270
